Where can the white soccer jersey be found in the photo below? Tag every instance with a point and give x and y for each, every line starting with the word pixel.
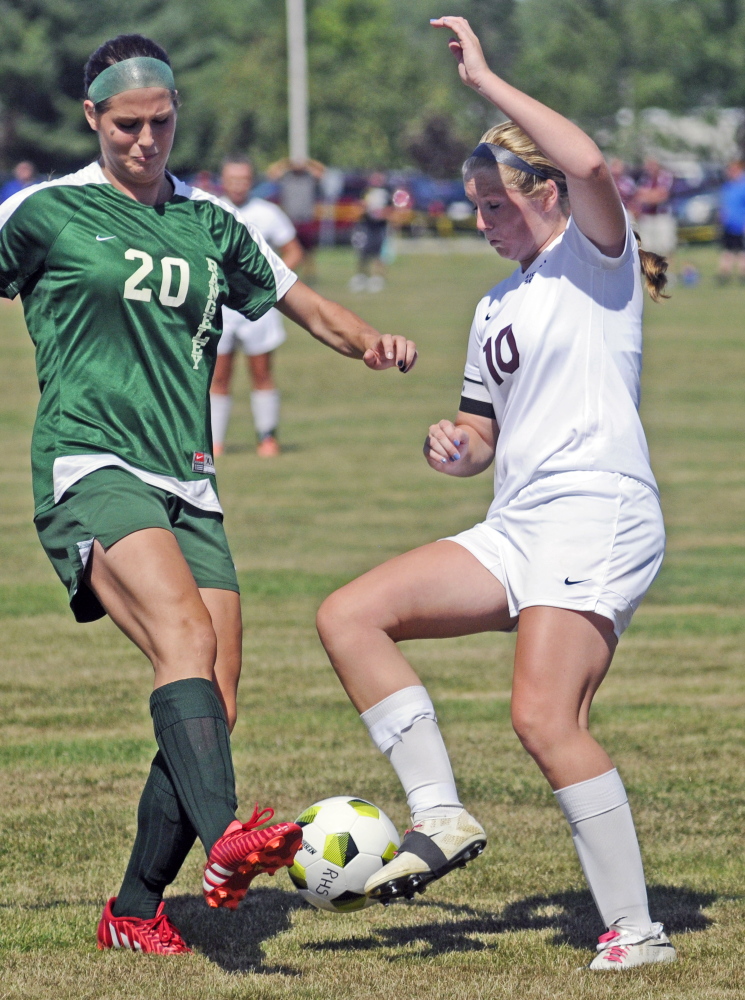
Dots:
pixel 261 336
pixel 269 219
pixel 555 357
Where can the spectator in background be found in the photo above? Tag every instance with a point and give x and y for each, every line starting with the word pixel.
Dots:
pixel 369 236
pixel 732 218
pixel 623 180
pixel 298 194
pixel 24 174
pixel 257 338
pixel 205 181
pixel 657 226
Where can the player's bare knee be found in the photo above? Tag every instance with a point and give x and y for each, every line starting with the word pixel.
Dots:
pixel 535 727
pixel 335 616
pixel 192 640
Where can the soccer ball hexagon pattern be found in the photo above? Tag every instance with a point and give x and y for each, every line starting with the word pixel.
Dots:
pixel 345 841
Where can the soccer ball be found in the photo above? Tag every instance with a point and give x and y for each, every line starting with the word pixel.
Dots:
pixel 345 841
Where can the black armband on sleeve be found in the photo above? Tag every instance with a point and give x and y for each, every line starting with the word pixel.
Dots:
pixel 478 407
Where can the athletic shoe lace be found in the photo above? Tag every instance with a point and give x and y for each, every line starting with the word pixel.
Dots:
pixel 257 817
pixel 162 930
pixel 614 953
pixel 417 826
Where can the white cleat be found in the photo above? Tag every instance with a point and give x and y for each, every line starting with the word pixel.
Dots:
pixel 375 283
pixel 428 851
pixel 620 948
pixel 358 283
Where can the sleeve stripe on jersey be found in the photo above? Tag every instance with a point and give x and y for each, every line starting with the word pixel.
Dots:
pixel 477 407
pixel 475 381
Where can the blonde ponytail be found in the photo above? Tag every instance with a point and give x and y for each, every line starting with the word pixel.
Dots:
pixel 653 271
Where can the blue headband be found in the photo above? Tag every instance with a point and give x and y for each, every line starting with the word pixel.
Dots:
pixel 498 154
pixel 136 73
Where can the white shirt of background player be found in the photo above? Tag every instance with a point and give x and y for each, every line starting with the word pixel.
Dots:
pixel 278 231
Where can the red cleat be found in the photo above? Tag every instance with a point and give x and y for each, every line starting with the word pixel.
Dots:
pixel 243 852
pixel 157 935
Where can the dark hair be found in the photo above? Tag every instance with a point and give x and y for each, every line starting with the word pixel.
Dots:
pixel 117 50
pixel 238 158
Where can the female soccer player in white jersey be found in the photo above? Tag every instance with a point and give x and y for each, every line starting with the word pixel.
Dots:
pixel 574 536
pixel 123 270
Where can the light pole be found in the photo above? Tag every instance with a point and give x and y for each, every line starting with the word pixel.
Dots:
pixel 297 80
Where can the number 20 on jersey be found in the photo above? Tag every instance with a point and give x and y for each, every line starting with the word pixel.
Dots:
pixel 175 271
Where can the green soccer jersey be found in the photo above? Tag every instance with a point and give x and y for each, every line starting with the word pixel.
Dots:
pixel 122 301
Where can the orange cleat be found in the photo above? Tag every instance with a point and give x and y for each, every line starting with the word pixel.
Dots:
pixel 157 935
pixel 268 447
pixel 243 852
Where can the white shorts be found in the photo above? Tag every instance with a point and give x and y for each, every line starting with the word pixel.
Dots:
pixel 588 541
pixel 255 336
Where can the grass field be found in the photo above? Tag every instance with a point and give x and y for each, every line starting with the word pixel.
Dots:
pixel 350 490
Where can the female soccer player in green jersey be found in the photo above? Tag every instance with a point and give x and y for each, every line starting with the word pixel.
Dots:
pixel 123 271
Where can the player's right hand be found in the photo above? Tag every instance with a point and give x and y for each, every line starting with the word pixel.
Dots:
pixel 472 66
pixel 445 445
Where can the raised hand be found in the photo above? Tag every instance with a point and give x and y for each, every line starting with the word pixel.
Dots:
pixel 467 50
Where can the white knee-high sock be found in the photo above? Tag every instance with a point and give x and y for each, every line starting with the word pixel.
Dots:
pixel 404 727
pixel 220 406
pixel 265 410
pixel 605 839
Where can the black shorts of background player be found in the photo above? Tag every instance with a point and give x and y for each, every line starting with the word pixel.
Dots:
pixel 369 236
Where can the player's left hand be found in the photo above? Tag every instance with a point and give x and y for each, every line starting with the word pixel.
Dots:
pixel 390 352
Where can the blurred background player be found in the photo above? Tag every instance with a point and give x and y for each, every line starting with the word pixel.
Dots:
pixel 299 191
pixel 624 181
pixel 257 338
pixel 732 218
pixel 24 174
pixel 369 237
pixel 657 226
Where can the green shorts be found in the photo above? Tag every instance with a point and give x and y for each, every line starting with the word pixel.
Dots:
pixel 110 503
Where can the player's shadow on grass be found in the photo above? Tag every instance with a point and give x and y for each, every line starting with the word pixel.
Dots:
pixel 234 939
pixel 572 915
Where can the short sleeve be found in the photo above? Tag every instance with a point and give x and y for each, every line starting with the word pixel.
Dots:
pixel 586 250
pixel 475 396
pixel 257 278
pixel 30 221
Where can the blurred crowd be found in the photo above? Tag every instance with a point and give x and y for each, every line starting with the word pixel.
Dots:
pixel 328 206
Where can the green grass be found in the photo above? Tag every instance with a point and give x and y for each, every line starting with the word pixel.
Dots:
pixel 350 490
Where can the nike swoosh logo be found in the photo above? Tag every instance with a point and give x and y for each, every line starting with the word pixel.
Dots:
pixel 571 583
pixel 102 239
pixel 487 318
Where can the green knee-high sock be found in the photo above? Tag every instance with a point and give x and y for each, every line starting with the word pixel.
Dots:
pixel 193 737
pixel 164 838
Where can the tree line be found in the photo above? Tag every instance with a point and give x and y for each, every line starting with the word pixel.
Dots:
pixel 383 90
